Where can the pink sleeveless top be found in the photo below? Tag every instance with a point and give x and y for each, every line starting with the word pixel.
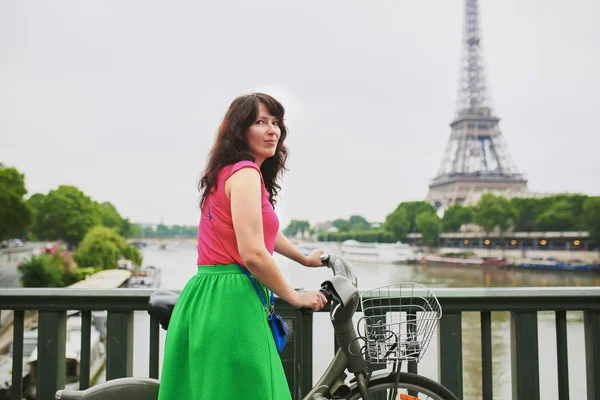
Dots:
pixel 216 238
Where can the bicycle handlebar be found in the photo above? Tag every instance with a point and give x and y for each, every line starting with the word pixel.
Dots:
pixel 338 266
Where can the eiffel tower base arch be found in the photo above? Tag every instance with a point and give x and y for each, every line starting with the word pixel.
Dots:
pixel 454 190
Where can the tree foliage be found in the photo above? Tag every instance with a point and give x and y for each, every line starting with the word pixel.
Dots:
pixel 528 212
pixel 65 214
pixel 296 226
pixel 162 230
pixel 41 271
pixel 358 223
pixel 456 216
pixel 102 248
pixel 15 213
pixel 559 217
pixel 430 226
pixel 139 231
pixel 591 216
pixel 341 224
pixel 495 212
pixel 371 236
pixel 397 224
pixel 111 218
pixel 553 213
pixel 403 219
pixel 52 270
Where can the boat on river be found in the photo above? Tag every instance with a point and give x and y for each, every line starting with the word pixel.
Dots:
pixel 362 252
pixel 466 258
pixel 141 277
pixel 72 358
pixel 146 277
pixel 555 264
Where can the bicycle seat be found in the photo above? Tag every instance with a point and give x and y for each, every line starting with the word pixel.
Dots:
pixel 116 389
pixel 160 306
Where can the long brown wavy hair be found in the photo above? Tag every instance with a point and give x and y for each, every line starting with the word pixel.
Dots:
pixel 231 144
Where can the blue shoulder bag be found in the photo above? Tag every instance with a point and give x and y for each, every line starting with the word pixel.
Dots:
pixel 275 321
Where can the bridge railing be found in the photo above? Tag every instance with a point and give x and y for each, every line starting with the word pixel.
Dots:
pixel 522 303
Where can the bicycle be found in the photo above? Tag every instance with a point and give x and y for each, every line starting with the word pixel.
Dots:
pixel 397 326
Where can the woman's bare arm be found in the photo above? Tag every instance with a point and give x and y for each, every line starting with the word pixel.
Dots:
pixel 287 249
pixel 244 191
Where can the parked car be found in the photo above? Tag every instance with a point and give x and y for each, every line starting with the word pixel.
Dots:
pixel 11 243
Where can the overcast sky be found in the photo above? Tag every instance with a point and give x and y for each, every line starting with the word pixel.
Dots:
pixel 122 98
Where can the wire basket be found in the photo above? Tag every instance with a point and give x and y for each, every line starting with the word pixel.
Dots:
pixel 398 323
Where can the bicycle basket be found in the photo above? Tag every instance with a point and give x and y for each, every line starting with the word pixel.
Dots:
pixel 398 323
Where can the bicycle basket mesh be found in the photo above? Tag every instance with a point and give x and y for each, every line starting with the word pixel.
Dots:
pixel 398 323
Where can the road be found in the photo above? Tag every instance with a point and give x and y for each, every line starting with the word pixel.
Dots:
pixel 9 275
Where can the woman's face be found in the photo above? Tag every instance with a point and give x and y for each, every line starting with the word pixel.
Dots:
pixel 263 135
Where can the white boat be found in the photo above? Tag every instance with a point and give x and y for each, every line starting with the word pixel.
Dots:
pixel 387 253
pixel 146 277
pixel 355 251
pixel 73 357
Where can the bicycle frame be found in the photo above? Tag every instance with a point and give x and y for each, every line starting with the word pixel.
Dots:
pixel 348 356
pixel 333 380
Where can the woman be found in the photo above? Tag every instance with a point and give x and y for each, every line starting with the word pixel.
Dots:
pixel 219 344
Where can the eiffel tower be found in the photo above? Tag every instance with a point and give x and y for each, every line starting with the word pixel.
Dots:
pixel 476 158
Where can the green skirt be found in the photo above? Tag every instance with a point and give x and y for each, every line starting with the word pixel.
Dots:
pixel 219 344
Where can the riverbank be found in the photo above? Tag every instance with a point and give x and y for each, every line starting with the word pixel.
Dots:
pixel 516 255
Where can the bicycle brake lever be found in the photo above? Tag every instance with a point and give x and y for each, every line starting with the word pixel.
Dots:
pixel 328 296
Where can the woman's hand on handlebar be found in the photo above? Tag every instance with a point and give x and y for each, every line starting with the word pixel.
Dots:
pixel 314 259
pixel 311 300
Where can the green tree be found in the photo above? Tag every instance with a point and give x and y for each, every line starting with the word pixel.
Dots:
pixel 430 226
pixel 56 270
pixel 455 216
pixel 149 232
pixel 341 224
pixel 358 223
pixel 109 215
pixel 494 212
pixel 15 213
pixel 528 212
pixel 102 248
pixel 111 218
pixel 575 202
pixel 397 223
pixel 560 212
pixel 372 236
pixel 414 208
pixel 41 271
pixel 559 217
pixel 65 214
pixel 133 254
pixel 127 228
pixel 35 203
pixel 136 231
pixel 162 230
pixel 591 216
pixel 296 226
pixel 191 231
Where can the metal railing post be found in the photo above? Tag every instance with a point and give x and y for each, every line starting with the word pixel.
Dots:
pixel 50 366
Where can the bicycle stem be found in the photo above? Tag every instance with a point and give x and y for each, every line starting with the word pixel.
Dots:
pixel 346 335
pixel 348 356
